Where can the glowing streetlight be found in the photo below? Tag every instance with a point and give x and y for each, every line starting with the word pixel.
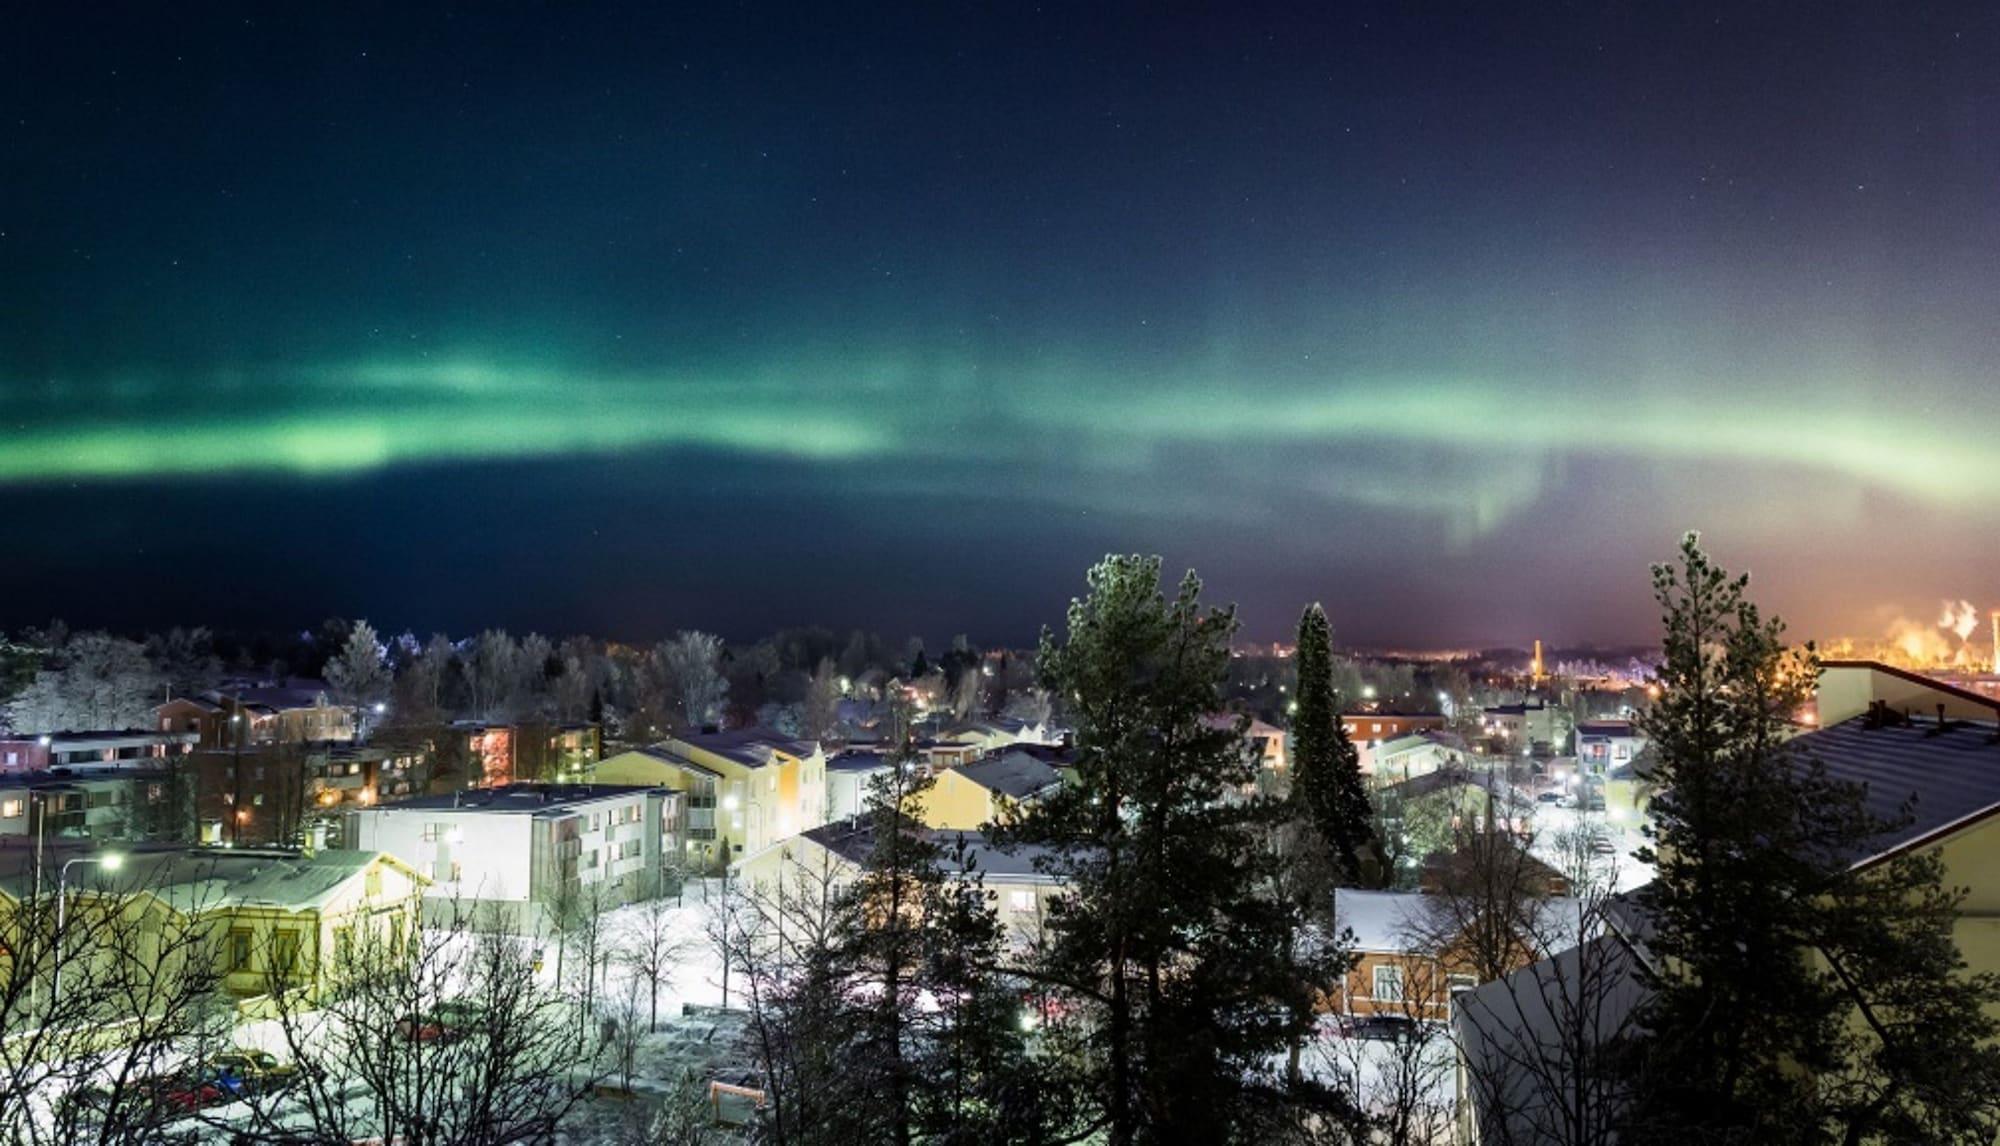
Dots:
pixel 109 861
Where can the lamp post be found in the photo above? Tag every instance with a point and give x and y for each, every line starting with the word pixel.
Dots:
pixel 109 861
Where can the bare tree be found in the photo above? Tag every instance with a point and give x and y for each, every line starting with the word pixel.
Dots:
pixel 1544 1050
pixel 652 946
pixel 99 998
pixel 433 1037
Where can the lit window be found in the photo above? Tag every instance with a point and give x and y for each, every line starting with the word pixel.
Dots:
pixel 1388 983
pixel 1020 901
pixel 10 809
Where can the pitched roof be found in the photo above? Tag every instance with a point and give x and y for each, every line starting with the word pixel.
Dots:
pixel 750 747
pixel 1384 921
pixel 205 879
pixel 1950 771
pixel 1518 1034
pixel 1014 774
pixel 518 799
pixel 1014 865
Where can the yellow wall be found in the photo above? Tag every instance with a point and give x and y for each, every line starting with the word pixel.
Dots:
pixel 957 803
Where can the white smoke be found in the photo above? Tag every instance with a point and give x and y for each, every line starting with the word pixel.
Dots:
pixel 1959 617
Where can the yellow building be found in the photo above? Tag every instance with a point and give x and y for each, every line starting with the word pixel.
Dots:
pixel 746 788
pixel 254 911
pixel 968 797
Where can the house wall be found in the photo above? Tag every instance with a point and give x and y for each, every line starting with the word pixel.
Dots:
pixel 955 802
pixel 1426 987
pixel 1845 691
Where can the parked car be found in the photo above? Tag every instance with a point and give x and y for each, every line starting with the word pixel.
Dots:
pixel 243 1072
pixel 446 1022
pixel 190 1091
pixel 1554 798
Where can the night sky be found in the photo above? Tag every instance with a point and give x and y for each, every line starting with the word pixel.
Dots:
pixel 640 317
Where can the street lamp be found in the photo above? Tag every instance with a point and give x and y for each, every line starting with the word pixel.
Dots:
pixel 109 861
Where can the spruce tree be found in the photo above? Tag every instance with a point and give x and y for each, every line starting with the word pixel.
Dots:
pixel 1168 965
pixel 1794 998
pixel 1327 789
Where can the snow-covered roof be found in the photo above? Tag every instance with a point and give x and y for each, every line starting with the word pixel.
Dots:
pixel 1384 921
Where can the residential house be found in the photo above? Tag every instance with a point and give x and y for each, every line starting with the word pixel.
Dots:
pixel 499 754
pixel 746 788
pixel 837 852
pixel 1526 727
pixel 524 854
pixel 1416 754
pixel 1367 730
pixel 288 711
pixel 1404 963
pixel 256 911
pixel 73 803
pixel 993 735
pixel 289 794
pixel 973 795
pixel 1604 746
pixel 130 747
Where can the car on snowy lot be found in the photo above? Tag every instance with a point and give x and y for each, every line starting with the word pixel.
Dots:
pixel 447 1022
pixel 248 1072
pixel 1550 799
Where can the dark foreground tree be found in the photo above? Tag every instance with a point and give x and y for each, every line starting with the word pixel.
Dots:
pixel 1798 994
pixel 1326 770
pixel 1170 973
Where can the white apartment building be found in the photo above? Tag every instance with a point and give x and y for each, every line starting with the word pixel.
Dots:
pixel 517 850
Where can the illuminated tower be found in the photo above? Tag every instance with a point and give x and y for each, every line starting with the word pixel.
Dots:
pixel 1537 668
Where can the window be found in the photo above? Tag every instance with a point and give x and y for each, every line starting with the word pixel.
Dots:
pixel 13 757
pixel 236 952
pixel 1622 752
pixel 1388 984
pixel 1459 984
pixel 372 883
pixel 590 860
pixel 285 951
pixel 457 872
pixel 258 799
pixel 1020 901
pixel 432 832
pixel 10 809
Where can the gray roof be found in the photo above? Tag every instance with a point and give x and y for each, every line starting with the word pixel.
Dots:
pixel 1395 921
pixel 518 799
pixel 750 747
pixel 1014 774
pixel 854 842
pixel 1519 1036
pixel 203 879
pixel 1951 771
pixel 857 760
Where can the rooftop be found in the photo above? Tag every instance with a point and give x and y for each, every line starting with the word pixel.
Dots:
pixel 517 799
pixel 203 879
pixel 853 842
pixel 1950 770
pixel 750 747
pixel 1011 773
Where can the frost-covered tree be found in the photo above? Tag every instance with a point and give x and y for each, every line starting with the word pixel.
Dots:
pixel 89 680
pixel 692 661
pixel 358 674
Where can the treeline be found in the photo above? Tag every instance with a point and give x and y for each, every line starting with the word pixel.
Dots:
pixel 53 678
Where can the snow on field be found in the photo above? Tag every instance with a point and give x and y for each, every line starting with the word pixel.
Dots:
pixel 1552 823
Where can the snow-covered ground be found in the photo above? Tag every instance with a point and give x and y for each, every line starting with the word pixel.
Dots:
pixel 1553 823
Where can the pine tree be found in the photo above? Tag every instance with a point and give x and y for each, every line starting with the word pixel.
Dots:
pixel 1793 998
pixel 1168 964
pixel 1326 770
